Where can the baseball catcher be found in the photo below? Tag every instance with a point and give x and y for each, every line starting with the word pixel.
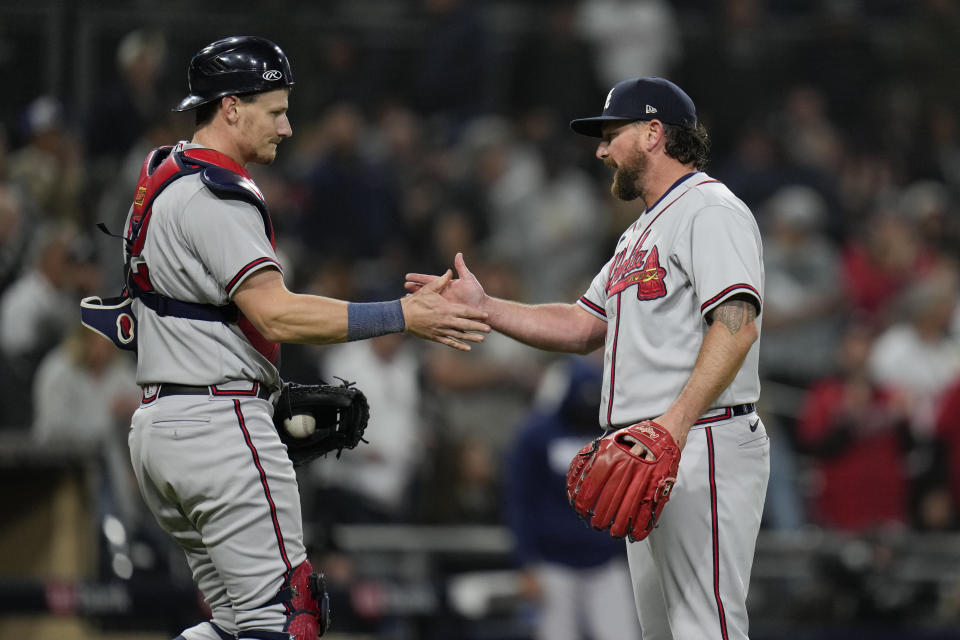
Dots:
pixel 315 419
pixel 621 481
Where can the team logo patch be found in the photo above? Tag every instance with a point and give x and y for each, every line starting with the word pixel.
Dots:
pixel 140 197
pixel 272 75
pixel 642 269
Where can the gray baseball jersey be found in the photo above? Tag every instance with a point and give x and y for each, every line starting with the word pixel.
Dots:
pixel 200 248
pixel 691 250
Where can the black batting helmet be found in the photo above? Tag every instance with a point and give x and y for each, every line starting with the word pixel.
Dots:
pixel 235 66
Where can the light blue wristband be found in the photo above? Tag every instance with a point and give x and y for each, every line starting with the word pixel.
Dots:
pixel 372 319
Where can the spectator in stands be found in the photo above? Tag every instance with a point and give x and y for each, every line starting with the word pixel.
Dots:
pixel 886 257
pixel 553 213
pixel 804 306
pixel 41 306
pixel 352 207
pixel 436 213
pixel 84 394
pixel 753 169
pixel 932 208
pixel 463 486
pixel 485 394
pixel 374 482
pixel 538 208
pixel 918 355
pixel 84 391
pixel 49 167
pixel 865 187
pixel 124 109
pixel 855 431
pixel 809 138
pixel 784 508
pixel 577 577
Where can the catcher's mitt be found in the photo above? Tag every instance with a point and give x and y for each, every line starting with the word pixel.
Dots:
pixel 615 485
pixel 341 413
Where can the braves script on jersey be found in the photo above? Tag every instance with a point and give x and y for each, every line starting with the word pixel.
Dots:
pixel 691 250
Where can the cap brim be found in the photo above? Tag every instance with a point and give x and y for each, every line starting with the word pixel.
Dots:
pixel 593 127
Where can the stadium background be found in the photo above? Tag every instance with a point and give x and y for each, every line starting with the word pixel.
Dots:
pixel 423 127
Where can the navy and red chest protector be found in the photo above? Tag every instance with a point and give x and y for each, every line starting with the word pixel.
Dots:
pixel 112 317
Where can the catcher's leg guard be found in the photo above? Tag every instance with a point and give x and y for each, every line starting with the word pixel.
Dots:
pixel 308 604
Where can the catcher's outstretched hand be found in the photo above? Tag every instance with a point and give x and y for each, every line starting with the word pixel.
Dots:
pixel 465 289
pixel 432 316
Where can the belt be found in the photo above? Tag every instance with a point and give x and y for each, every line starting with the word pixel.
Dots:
pixel 258 391
pixel 743 409
pixel 729 412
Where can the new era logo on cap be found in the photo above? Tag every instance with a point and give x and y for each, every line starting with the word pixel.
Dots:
pixel 641 99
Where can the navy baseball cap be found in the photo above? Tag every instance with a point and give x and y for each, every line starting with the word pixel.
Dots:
pixel 641 99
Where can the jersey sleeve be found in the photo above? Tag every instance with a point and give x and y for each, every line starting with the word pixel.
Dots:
pixel 594 299
pixel 724 257
pixel 229 237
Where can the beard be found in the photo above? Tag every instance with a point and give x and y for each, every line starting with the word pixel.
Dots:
pixel 627 180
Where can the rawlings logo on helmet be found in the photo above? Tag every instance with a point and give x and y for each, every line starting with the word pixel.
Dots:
pixel 272 75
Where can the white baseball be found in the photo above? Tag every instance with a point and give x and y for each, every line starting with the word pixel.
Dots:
pixel 300 425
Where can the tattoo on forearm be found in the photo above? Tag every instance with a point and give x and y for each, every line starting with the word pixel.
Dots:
pixel 734 314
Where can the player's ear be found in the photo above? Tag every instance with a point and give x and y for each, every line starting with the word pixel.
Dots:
pixel 654 134
pixel 229 104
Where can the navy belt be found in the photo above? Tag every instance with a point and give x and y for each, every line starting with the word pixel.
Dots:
pixel 743 409
pixel 258 391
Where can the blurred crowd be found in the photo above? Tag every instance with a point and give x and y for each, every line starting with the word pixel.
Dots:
pixel 843 137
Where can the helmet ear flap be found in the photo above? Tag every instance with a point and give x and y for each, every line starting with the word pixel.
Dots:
pixel 239 65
